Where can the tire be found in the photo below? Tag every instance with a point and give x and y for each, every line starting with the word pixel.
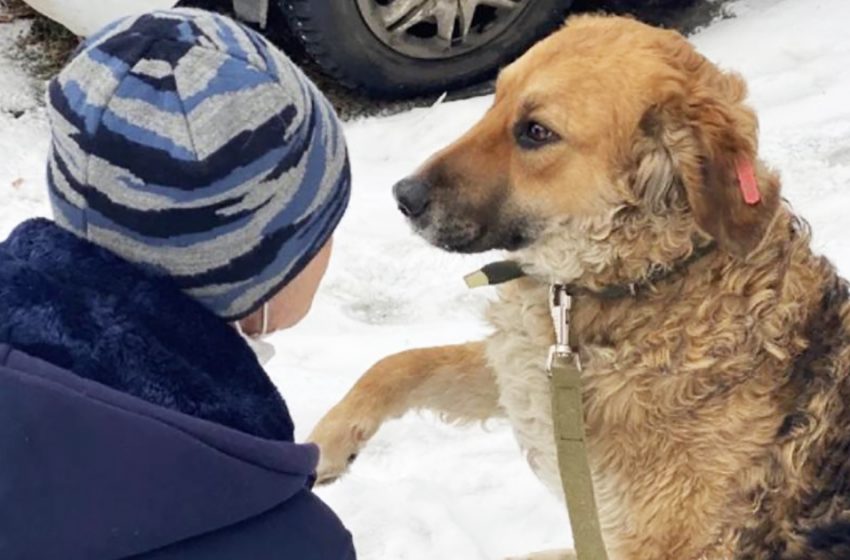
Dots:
pixel 336 35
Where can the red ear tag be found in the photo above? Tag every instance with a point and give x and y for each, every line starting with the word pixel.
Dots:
pixel 747 182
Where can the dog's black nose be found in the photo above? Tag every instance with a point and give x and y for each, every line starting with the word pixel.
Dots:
pixel 413 196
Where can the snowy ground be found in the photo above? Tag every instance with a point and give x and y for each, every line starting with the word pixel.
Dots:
pixel 422 490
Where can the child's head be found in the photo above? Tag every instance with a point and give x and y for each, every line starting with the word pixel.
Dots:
pixel 189 145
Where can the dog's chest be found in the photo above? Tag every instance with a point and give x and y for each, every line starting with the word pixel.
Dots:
pixel 642 418
pixel 517 352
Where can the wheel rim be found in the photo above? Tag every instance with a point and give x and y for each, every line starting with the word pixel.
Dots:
pixel 435 29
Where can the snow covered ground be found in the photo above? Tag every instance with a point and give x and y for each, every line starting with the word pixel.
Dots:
pixel 422 490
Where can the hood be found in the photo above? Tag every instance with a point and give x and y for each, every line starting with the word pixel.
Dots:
pixel 103 454
pixel 84 309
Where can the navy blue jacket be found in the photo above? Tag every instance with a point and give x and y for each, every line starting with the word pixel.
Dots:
pixel 136 424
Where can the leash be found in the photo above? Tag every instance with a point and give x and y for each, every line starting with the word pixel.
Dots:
pixel 563 366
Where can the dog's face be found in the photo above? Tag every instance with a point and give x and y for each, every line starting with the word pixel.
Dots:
pixel 597 131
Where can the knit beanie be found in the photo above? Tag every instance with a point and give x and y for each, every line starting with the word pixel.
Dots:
pixel 190 146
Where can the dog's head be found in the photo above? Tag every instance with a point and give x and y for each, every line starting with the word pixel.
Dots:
pixel 609 144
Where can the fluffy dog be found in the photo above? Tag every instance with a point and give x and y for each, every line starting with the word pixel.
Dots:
pixel 717 393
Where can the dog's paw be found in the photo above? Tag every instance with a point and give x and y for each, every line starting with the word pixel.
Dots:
pixel 547 555
pixel 340 438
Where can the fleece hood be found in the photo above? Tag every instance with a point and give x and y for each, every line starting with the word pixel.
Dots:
pixel 130 416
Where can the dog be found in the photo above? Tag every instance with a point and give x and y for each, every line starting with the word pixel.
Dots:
pixel 716 389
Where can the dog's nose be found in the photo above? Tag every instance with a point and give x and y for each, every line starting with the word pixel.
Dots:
pixel 413 196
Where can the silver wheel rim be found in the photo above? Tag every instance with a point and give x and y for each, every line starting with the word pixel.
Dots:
pixel 439 29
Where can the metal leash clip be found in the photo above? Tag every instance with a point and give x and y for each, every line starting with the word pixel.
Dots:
pixel 560 305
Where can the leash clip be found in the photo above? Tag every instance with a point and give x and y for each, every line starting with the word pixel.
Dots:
pixel 560 305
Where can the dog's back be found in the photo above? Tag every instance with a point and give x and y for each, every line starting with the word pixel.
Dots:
pixel 802 505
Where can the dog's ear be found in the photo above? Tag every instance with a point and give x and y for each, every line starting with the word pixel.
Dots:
pixel 655 179
pixel 698 147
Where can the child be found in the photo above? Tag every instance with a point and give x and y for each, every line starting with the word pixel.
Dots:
pixel 196 178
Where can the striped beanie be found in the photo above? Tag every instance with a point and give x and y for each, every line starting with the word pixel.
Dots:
pixel 190 146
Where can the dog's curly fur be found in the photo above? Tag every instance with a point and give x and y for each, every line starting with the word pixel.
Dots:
pixel 718 399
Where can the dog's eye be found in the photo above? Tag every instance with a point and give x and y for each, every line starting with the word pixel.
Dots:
pixel 532 134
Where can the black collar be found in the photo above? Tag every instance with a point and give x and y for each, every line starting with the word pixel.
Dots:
pixel 506 271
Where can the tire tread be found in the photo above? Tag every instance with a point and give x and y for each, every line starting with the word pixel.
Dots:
pixel 300 17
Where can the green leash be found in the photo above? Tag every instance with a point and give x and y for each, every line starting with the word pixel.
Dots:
pixel 564 369
pixel 567 413
pixel 573 462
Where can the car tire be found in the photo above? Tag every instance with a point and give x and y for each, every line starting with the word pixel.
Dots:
pixel 336 35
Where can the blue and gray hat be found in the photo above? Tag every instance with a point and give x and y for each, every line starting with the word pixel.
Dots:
pixel 189 145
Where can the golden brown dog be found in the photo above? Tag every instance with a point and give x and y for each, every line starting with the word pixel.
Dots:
pixel 717 395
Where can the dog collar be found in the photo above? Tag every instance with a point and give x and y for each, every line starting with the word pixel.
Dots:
pixel 501 272
pixel 494 274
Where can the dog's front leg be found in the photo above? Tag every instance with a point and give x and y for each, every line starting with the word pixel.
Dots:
pixel 453 381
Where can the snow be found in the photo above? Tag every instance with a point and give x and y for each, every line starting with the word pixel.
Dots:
pixel 423 490
pixel 23 139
